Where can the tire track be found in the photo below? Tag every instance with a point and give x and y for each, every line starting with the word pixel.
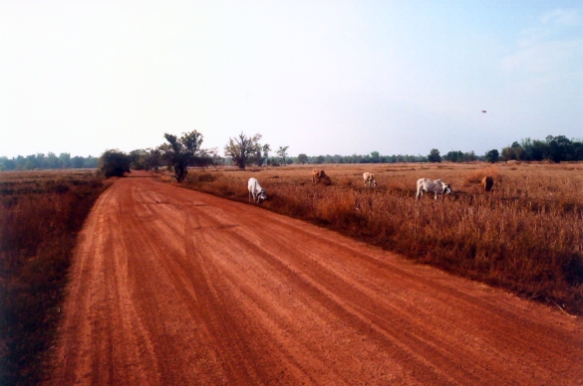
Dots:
pixel 171 286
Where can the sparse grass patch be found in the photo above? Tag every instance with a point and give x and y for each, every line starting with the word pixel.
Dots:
pixel 40 215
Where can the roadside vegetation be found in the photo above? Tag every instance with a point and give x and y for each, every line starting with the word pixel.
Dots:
pixel 525 235
pixel 40 215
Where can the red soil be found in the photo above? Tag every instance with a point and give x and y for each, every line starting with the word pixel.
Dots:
pixel 171 286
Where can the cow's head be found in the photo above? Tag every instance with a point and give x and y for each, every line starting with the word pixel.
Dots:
pixel 262 196
pixel 447 189
pixel 374 183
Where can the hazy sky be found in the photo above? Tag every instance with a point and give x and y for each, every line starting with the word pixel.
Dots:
pixel 323 77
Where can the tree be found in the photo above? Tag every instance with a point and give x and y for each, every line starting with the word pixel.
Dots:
pixel 492 156
pixel 454 156
pixel 434 156
pixel 114 163
pixel 513 152
pixel 77 162
pixel 266 149
pixel 243 149
pixel 153 159
pixel 560 148
pixel 282 152
pixel 303 158
pixel 90 162
pixel 65 159
pixel 138 159
pixel 259 159
pixel 179 153
pixel 52 161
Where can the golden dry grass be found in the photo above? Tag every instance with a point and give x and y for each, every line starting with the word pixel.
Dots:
pixel 40 214
pixel 524 235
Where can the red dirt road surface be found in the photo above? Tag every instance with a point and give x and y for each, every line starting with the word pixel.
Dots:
pixel 175 287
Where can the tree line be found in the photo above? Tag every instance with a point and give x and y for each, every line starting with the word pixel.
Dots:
pixel 553 148
pixel 178 153
pixel 48 161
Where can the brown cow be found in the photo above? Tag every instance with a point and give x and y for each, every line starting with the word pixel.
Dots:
pixel 487 183
pixel 319 175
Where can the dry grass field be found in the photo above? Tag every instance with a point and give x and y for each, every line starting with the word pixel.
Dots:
pixel 525 235
pixel 40 215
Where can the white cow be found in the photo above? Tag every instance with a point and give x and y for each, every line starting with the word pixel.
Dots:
pixel 369 180
pixel 256 191
pixel 435 186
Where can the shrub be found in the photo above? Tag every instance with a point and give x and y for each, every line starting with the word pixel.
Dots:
pixel 114 163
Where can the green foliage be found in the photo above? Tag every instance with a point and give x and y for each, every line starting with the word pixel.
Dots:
pixel 138 159
pixel 179 153
pixel 258 158
pixel 303 159
pixel 434 156
pixel 49 161
pixel 555 149
pixel 114 163
pixel 357 159
pixel 153 159
pixel 492 156
pixel 458 156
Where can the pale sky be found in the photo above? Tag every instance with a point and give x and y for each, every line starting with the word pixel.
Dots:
pixel 322 77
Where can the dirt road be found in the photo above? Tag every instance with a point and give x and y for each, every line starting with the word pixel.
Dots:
pixel 174 287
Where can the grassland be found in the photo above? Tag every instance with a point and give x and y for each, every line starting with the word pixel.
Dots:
pixel 40 215
pixel 526 235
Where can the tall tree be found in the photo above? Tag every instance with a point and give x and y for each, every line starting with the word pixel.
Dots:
pixel 492 156
pixel 65 159
pixel 153 159
pixel 434 156
pixel 243 150
pixel 179 153
pixel 303 158
pixel 282 152
pixel 138 159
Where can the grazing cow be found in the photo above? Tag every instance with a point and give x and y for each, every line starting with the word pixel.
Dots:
pixel 487 183
pixel 435 186
pixel 369 180
pixel 319 175
pixel 256 191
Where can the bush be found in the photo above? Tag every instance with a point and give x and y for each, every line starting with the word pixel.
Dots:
pixel 114 163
